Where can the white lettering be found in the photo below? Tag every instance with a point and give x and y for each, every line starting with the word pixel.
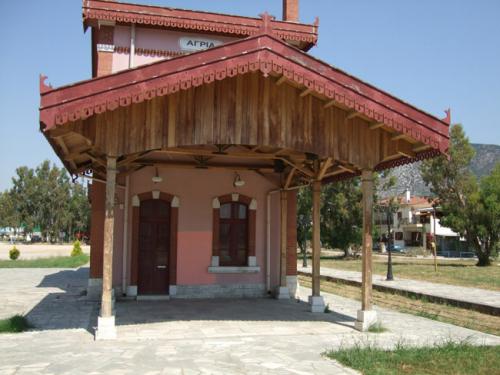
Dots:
pixel 197 44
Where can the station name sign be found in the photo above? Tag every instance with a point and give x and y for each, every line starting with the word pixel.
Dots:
pixel 197 44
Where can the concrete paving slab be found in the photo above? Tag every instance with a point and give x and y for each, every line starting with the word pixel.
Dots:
pixel 261 336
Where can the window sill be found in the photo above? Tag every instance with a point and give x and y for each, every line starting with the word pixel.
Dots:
pixel 220 269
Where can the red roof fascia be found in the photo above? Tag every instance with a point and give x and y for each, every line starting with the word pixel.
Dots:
pixel 197 21
pixel 262 53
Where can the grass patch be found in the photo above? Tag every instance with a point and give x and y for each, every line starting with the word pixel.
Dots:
pixel 15 324
pixel 52 262
pixel 446 359
pixel 455 272
pixel 441 312
pixel 377 328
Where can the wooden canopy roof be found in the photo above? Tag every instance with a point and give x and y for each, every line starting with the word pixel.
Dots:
pixel 257 99
pixel 304 36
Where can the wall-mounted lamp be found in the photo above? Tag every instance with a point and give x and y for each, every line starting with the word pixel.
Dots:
pixel 238 182
pixel 156 178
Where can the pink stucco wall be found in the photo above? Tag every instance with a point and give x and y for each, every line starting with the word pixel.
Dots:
pixel 196 189
pixel 152 39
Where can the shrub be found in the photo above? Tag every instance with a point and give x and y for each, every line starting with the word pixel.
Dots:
pixel 77 249
pixel 14 253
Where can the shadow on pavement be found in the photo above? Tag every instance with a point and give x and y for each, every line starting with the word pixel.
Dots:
pixel 67 307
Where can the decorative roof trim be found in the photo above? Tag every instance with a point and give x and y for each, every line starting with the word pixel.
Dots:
pixel 101 10
pixel 263 53
pixel 149 52
pixel 428 154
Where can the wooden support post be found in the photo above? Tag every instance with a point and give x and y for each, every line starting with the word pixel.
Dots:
pixel 367 187
pixel 316 241
pixel 109 222
pixel 317 302
pixel 282 291
pixel 283 221
pixel 366 316
pixel 106 321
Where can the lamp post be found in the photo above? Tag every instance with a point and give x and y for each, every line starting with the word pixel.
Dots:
pixel 390 276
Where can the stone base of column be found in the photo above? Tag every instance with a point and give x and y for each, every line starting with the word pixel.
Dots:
pixel 365 319
pixel 282 292
pixel 132 291
pixel 172 290
pixel 317 304
pixel 292 284
pixel 106 329
pixel 94 289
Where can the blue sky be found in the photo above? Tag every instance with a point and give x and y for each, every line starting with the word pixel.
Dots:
pixel 433 54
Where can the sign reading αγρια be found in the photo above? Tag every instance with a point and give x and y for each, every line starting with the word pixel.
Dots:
pixel 188 43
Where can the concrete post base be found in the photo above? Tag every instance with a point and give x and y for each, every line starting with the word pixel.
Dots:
pixel 172 290
pixel 282 292
pixel 292 283
pixel 94 289
pixel 317 304
pixel 106 329
pixel 365 319
pixel 132 291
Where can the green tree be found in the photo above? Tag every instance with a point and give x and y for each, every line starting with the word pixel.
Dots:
pixel 304 221
pixel 341 215
pixel 8 214
pixel 79 208
pixel 24 197
pixel 45 197
pixel 468 208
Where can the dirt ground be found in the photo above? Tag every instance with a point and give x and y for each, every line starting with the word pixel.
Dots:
pixel 32 251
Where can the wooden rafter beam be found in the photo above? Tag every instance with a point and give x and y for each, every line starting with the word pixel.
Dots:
pixel 60 131
pixel 207 165
pixel 131 158
pixel 323 168
pixel 281 80
pixel 397 137
pixel 376 125
pixel 305 92
pixel 249 155
pixel 334 173
pixel 334 103
pixel 95 159
pixel 299 168
pixel 406 154
pixel 351 115
pixel 346 169
pixel 76 152
pixel 62 144
pixel 421 148
pixel 289 178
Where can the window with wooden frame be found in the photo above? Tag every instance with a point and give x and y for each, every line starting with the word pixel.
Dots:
pixel 234 221
pixel 233 234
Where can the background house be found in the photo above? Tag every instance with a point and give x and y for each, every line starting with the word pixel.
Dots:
pixel 414 224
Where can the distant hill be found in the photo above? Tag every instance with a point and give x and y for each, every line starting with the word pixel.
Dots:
pixel 408 176
pixel 486 158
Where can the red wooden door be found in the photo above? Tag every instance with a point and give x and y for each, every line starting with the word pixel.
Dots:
pixel 154 247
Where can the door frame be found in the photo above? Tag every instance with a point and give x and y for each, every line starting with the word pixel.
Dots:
pixel 174 221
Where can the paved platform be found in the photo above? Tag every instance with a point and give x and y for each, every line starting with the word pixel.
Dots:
pixel 246 336
pixel 483 300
